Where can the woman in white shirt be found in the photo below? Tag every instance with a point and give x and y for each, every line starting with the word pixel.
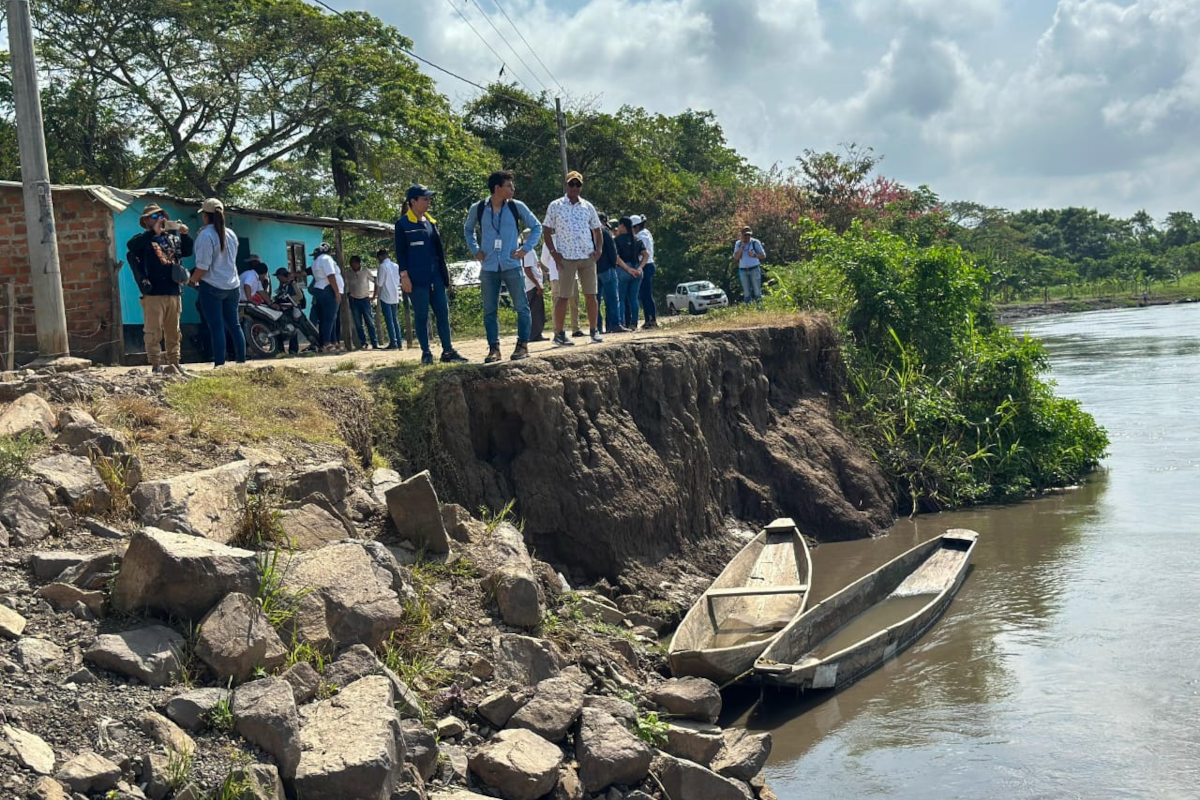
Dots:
pixel 327 294
pixel 216 279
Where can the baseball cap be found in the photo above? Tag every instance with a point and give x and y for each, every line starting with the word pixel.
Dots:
pixel 574 176
pixel 282 272
pixel 212 205
pixel 636 220
pixel 321 249
pixel 747 229
pixel 417 190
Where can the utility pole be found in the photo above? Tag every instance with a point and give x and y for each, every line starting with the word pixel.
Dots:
pixel 49 310
pixel 562 137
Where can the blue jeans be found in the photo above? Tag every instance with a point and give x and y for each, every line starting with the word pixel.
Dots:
pixel 751 278
pixel 490 282
pixel 609 297
pixel 220 310
pixel 628 287
pixel 432 295
pixel 327 312
pixel 360 308
pixel 646 293
pixel 392 322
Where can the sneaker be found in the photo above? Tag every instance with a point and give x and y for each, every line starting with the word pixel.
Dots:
pixel 452 357
pixel 156 370
pixel 392 347
pixel 596 337
pixel 578 334
pixel 493 354
pixel 623 329
pixel 521 351
pixel 426 358
pixel 561 340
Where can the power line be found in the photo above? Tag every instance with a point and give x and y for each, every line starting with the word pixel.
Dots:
pixel 508 44
pixel 479 36
pixel 531 47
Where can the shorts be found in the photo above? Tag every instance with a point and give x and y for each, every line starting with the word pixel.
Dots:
pixel 585 268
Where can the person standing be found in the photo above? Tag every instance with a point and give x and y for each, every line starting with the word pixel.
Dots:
pixel 289 298
pixel 424 274
pixel 326 293
pixel 606 277
pixel 155 257
pixel 387 292
pixel 646 293
pixel 551 270
pixel 498 249
pixel 749 253
pixel 573 228
pixel 535 293
pixel 361 291
pixel 631 257
pixel 216 279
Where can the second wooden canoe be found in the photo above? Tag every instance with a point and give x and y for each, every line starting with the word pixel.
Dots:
pixel 761 590
pixel 852 632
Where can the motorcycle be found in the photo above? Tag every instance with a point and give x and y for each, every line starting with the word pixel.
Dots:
pixel 268 330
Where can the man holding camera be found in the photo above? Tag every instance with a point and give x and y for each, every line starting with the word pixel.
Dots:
pixel 155 257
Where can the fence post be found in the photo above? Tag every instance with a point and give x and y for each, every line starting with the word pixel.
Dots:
pixel 10 336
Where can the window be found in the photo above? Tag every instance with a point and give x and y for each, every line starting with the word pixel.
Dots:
pixel 295 256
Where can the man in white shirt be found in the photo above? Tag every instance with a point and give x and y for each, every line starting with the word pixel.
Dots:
pixel 572 230
pixel 646 295
pixel 387 292
pixel 327 294
pixel 534 292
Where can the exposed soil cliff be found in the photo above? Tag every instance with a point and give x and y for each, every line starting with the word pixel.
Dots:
pixel 616 454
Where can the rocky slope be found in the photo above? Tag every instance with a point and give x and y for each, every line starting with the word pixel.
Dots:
pixel 624 454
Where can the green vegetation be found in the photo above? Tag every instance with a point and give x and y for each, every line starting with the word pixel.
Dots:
pixel 16 452
pixel 220 718
pixel 259 523
pixel 651 730
pixel 277 602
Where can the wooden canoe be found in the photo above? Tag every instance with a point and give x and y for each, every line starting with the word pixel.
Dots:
pixel 849 634
pixel 761 590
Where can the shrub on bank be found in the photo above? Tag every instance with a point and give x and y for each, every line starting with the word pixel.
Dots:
pixel 954 408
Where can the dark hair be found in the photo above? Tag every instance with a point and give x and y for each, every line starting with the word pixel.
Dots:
pixel 218 222
pixel 498 178
pixel 261 268
pixel 603 219
pixel 381 252
pixel 355 258
pixel 628 223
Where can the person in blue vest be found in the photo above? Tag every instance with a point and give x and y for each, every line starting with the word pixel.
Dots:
pixel 424 274
pixel 498 249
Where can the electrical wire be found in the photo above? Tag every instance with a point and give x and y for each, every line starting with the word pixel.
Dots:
pixel 531 48
pixel 508 44
pixel 479 36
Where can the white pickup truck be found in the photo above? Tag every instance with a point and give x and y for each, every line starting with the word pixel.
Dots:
pixel 696 296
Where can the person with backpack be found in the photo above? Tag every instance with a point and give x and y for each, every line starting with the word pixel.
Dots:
pixel 155 258
pixel 216 279
pixel 501 254
pixel 424 273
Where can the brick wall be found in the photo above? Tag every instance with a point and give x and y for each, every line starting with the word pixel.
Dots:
pixel 85 251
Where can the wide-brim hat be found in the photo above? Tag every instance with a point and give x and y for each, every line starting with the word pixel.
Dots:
pixel 152 208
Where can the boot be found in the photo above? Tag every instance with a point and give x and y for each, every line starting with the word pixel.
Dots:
pixel 493 354
pixel 521 351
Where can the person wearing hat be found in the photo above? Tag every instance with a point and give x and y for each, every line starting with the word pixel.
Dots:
pixel 424 273
pixel 327 294
pixel 646 292
pixel 216 279
pixel 155 258
pixel 500 251
pixel 748 252
pixel 254 280
pixel 631 259
pixel 609 317
pixel 572 229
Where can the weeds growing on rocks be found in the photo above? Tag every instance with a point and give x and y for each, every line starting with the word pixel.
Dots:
pixel 16 452
pixel 651 730
pixel 114 471
pixel 259 523
pixel 277 602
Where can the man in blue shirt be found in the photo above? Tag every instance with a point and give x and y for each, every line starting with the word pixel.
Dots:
pixel 749 253
pixel 493 232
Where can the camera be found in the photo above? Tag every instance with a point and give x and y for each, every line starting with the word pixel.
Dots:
pixel 171 225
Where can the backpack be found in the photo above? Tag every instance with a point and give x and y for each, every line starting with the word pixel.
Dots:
pixel 133 257
pixel 511 207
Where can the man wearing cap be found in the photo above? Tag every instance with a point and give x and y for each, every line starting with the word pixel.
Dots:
pixel 646 292
pixel 500 252
pixel 606 276
pixel 327 293
pixel 748 253
pixel 153 257
pixel 289 298
pixel 424 273
pixel 573 235
pixel 360 288
pixel 387 292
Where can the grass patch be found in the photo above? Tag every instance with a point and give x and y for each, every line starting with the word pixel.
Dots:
pixel 406 425
pixel 16 452
pixel 114 471
pixel 277 602
pixel 348 365
pixel 220 718
pixel 259 524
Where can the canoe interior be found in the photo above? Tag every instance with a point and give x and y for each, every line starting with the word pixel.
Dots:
pixel 911 588
pixel 732 629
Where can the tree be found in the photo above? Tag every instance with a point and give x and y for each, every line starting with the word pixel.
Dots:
pixel 216 93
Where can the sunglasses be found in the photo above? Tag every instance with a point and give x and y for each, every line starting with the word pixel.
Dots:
pixel 158 216
pixel 574 183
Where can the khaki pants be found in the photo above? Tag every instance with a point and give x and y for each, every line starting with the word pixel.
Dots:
pixel 573 306
pixel 161 314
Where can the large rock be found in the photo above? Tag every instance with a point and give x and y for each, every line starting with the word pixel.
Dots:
pixel 695 741
pixel 305 681
pixel 64 596
pixel 265 714
pixel 25 513
pixel 609 754
pixel 413 506
pixel 569 786
pixel 49 564
pixel 682 778
pixel 12 624
pixel 182 575
pixel 359 661
pixel 691 698
pixel 381 480
pixel 236 638
pixel 31 751
pixel 744 755
pixel 27 413
pixel 352 747
pixel 95 571
pixel 48 789
pixel 150 654
pixel 351 595
pixel 553 710
pixel 329 479
pixel 498 707
pixel 420 747
pixel 524 659
pixel 621 709
pixel 206 503
pixel 511 577
pixel 74 482
pixel 34 653
pixel 518 763
pixel 311 527
pixel 190 710
pixel 88 772
pixel 166 734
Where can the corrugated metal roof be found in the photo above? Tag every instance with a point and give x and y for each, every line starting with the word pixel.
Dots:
pixel 120 199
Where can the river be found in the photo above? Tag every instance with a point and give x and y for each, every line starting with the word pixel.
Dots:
pixel 1068 666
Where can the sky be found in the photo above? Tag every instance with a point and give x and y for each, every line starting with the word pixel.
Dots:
pixel 1012 103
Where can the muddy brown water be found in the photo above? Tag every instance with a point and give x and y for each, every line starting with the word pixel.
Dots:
pixel 1068 666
